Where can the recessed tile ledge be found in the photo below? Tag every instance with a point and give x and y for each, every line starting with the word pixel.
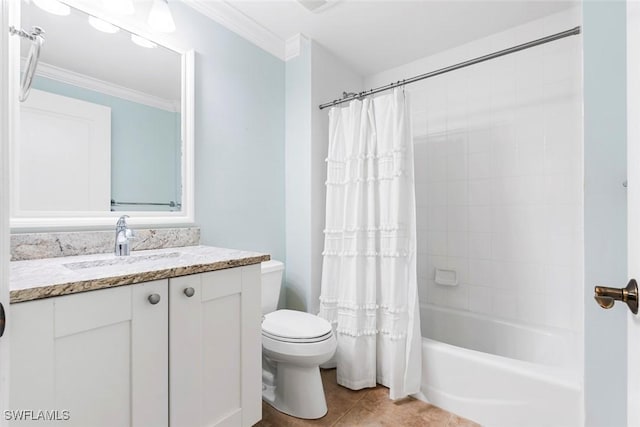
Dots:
pixel 43 278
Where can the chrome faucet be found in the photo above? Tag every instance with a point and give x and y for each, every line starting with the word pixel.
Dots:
pixel 123 237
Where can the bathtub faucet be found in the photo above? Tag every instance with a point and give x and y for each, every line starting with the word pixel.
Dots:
pixel 606 297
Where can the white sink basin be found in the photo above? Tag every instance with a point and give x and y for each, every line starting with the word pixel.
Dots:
pixel 121 260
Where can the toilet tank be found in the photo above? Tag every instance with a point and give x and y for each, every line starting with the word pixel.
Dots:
pixel 271 283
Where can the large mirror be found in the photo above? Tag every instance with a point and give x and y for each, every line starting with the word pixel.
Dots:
pixel 105 129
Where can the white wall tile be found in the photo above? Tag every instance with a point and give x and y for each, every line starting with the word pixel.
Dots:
pixel 457 218
pixel 480 299
pixel 482 272
pixel 456 167
pixel 437 218
pixel 436 193
pixel 461 267
pixel 457 193
pixel 436 262
pixel 499 179
pixel 504 159
pixel 531 308
pixel 422 264
pixel 480 219
pixel 436 243
pixel 564 188
pixel 437 167
pixel 559 314
pixel 422 216
pixel 503 304
pixel 423 293
pixel 458 244
pixel 479 164
pixel 561 60
pixel 457 143
pixel 481 192
pixel 560 277
pixel 530 278
pixel 479 139
pixel 480 245
pixel 419 123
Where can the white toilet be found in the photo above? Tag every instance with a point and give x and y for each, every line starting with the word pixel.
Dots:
pixel 294 344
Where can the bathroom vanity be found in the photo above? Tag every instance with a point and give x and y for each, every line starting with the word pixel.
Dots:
pixel 162 337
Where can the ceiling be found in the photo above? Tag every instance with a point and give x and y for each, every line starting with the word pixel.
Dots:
pixel 375 35
pixel 368 35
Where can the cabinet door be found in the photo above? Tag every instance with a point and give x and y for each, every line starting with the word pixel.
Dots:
pixel 100 355
pixel 215 348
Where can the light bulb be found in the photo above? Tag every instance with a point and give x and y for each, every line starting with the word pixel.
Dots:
pixel 160 18
pixel 103 26
pixel 141 41
pixel 122 7
pixel 53 6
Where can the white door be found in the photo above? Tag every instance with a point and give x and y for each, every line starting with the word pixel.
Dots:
pixel 62 158
pixel 633 203
pixel 4 201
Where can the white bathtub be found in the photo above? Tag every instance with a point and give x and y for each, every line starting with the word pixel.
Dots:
pixel 531 381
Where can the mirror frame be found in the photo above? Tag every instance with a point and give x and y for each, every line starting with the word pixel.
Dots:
pixel 60 221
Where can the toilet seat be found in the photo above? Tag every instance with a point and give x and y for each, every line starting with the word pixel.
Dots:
pixel 295 327
pixel 297 340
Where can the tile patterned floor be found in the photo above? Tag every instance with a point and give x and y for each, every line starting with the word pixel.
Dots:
pixel 369 407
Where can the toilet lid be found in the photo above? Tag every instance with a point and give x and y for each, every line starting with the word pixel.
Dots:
pixel 295 325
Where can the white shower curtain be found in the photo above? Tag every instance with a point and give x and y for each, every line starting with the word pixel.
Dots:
pixel 369 289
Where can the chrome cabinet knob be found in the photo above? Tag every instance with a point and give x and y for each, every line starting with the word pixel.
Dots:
pixel 189 292
pixel 154 299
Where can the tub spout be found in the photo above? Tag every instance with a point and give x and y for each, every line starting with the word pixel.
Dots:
pixel 606 297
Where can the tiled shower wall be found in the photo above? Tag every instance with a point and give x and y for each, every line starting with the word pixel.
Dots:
pixel 498 154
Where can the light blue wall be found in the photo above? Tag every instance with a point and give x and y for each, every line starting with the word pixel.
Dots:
pixel 313 77
pixel 144 144
pixel 605 207
pixel 298 178
pixel 239 137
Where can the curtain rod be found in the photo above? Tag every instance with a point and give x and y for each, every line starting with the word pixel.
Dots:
pixel 351 96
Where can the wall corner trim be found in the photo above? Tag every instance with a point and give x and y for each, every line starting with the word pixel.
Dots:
pixel 293 46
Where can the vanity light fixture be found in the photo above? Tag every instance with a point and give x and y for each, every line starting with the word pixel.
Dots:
pixel 141 41
pixel 103 26
pixel 121 7
pixel 53 6
pixel 160 18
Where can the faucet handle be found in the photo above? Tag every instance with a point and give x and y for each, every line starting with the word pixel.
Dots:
pixel 129 233
pixel 122 221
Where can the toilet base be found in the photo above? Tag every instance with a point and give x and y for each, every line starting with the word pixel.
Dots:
pixel 297 391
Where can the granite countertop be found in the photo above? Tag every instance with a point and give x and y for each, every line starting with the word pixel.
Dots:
pixel 49 277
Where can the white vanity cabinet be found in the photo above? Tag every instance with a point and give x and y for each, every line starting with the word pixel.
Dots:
pixel 143 355
pixel 215 347
pixel 100 355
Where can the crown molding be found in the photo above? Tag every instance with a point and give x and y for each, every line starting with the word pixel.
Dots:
pixel 81 80
pixel 293 46
pixel 231 18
